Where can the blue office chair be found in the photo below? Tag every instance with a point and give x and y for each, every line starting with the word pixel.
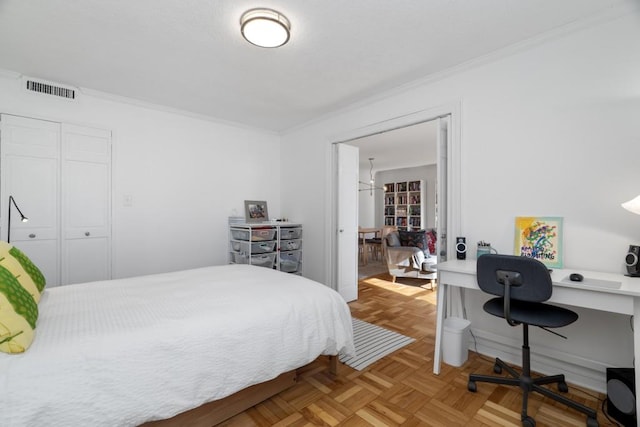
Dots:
pixel 522 284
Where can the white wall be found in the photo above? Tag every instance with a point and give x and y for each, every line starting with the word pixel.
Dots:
pixel 186 176
pixel 551 130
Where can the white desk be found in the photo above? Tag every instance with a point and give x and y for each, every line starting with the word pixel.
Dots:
pixel 594 293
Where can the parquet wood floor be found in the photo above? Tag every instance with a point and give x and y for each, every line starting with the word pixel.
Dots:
pixel 400 389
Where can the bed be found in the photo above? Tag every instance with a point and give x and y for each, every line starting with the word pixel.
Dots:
pixel 129 351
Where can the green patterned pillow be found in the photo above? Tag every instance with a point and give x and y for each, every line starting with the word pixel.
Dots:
pixel 31 269
pixel 29 276
pixel 18 314
pixel 12 264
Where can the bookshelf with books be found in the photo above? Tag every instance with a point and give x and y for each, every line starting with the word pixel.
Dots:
pixel 404 204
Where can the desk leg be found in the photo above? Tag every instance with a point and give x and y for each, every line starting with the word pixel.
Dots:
pixel 636 345
pixel 440 314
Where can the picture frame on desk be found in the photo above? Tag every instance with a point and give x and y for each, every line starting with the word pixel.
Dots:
pixel 539 238
pixel 256 211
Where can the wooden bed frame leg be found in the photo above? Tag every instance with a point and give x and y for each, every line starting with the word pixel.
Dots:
pixel 334 363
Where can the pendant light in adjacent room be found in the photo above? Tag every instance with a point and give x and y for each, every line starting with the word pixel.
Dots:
pixel 371 185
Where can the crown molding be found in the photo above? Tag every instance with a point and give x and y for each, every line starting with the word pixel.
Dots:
pixel 610 14
pixel 165 109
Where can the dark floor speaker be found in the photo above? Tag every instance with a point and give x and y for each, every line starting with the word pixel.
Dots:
pixel 621 395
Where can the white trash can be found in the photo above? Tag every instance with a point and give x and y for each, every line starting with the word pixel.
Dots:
pixel 455 341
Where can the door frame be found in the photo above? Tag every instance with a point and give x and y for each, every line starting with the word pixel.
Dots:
pixel 454 215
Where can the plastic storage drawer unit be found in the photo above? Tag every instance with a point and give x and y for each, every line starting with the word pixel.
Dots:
pixel 256 235
pixel 290 245
pixel 256 247
pixel 266 260
pixel 290 261
pixel 239 258
pixel 290 233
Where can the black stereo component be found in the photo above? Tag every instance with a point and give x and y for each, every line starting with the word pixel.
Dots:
pixel 631 260
pixel 621 395
pixel 461 248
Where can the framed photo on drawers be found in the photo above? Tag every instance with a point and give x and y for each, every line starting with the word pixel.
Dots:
pixel 256 211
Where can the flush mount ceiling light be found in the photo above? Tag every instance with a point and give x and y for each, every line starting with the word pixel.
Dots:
pixel 265 27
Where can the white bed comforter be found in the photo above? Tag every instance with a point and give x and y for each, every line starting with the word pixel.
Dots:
pixel 122 352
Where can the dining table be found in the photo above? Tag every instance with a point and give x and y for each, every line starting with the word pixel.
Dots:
pixel 363 232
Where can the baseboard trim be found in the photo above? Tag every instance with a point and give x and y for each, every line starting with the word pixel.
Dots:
pixel 578 370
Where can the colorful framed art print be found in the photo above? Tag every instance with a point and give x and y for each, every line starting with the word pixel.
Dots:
pixel 539 238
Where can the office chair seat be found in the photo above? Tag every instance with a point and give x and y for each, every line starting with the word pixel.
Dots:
pixel 532 313
pixel 521 286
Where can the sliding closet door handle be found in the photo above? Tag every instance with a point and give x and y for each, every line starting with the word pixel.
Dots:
pixel 86 233
pixel 32 236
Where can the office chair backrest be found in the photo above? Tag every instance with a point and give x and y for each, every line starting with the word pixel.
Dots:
pixel 530 279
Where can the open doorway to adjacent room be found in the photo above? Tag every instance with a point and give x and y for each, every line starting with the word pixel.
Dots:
pixel 407 154
pixel 344 188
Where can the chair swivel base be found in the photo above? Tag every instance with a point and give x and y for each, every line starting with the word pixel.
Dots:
pixel 529 384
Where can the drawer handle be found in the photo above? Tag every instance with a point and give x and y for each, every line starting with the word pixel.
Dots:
pixel 86 233
pixel 32 236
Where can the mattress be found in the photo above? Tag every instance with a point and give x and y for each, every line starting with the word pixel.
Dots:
pixel 126 351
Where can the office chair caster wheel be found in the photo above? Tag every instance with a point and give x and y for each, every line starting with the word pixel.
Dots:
pixel 497 369
pixel 528 422
pixel 592 422
pixel 471 386
pixel 563 387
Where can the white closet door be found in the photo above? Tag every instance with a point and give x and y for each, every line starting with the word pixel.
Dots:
pixel 86 204
pixel 30 164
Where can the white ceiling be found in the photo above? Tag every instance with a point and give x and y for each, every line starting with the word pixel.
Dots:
pixel 399 148
pixel 189 54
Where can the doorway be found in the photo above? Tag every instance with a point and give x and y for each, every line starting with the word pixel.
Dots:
pixel 446 210
pixel 403 154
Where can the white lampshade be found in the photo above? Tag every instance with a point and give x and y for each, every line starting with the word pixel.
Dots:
pixel 633 205
pixel 265 27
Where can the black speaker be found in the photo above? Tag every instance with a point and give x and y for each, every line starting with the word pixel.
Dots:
pixel 621 395
pixel 461 248
pixel 631 260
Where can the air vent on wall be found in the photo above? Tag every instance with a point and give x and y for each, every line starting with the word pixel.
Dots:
pixel 48 88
